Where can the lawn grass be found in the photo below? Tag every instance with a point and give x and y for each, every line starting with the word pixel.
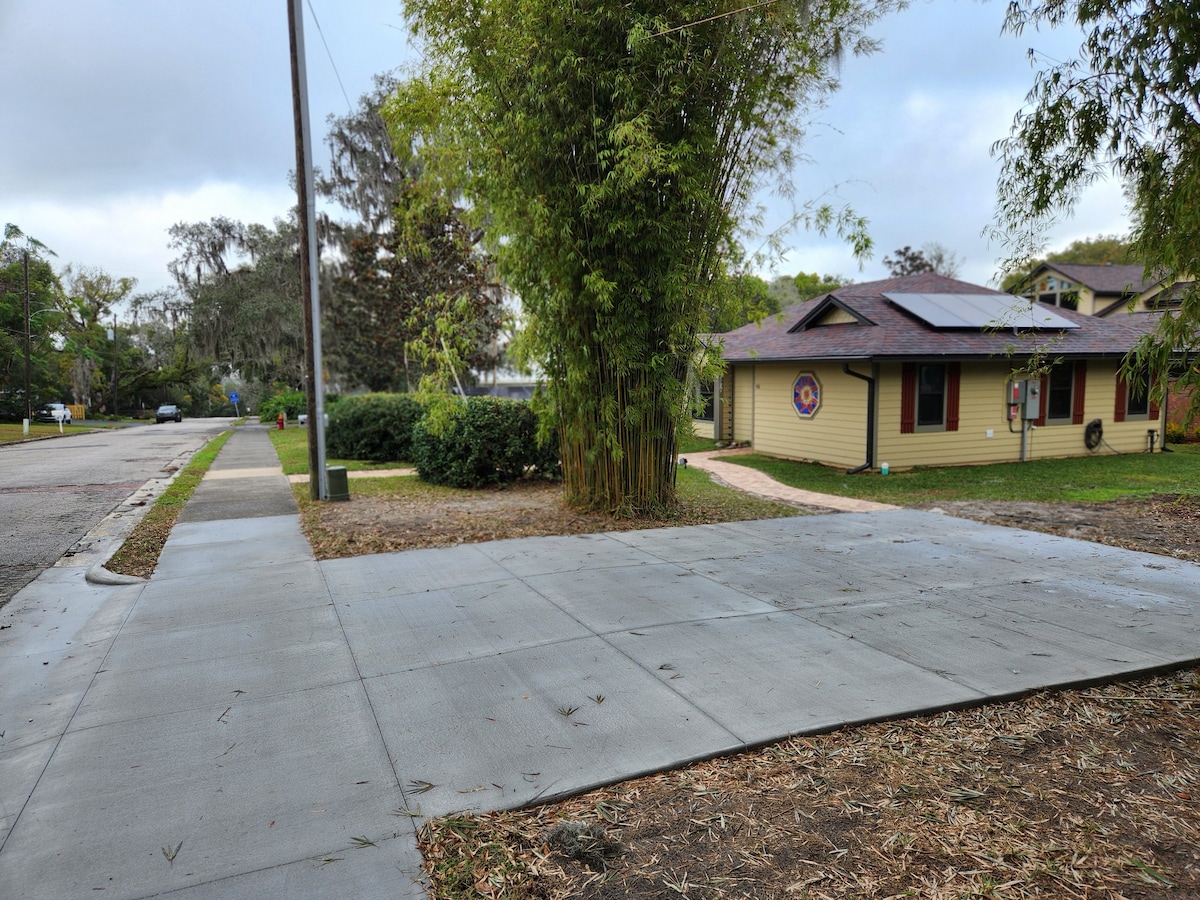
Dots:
pixel 291 444
pixel 692 444
pixel 1079 479
pixel 696 489
pixel 11 432
pixel 693 486
pixel 140 551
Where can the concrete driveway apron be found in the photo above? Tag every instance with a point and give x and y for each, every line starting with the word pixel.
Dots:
pixel 251 722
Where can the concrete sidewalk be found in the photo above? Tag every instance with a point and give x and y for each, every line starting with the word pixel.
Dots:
pixel 253 723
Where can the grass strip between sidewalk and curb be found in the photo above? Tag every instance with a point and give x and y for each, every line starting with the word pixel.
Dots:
pixel 139 553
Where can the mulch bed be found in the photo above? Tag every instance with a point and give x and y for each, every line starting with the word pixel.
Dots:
pixel 1083 794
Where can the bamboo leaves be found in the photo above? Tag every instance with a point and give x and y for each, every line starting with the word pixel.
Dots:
pixel 612 154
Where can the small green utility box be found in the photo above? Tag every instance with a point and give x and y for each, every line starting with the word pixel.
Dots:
pixel 339 486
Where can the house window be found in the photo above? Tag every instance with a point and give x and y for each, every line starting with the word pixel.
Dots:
pixel 1137 402
pixel 931 396
pixel 1063 395
pixel 1059 390
pixel 1058 293
pixel 1133 400
pixel 705 390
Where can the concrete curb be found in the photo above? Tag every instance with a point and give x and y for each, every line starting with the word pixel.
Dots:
pixel 97 574
pixel 99 545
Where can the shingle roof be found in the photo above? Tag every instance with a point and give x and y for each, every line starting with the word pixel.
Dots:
pixel 897 335
pixel 1103 279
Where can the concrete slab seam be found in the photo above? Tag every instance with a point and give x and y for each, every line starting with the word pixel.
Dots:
pixel 417 879
pixel 399 782
pixel 604 638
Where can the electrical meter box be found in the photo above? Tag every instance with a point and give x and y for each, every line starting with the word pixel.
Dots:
pixel 1025 399
pixel 1032 400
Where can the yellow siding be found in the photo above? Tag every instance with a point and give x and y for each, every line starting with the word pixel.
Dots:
pixel 835 435
pixel 704 428
pixel 1087 301
pixel 743 403
pixel 836 316
pixel 764 416
pixel 1099 403
pixel 982 407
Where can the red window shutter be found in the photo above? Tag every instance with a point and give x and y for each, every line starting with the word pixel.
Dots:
pixel 1122 393
pixel 1078 394
pixel 953 380
pixel 908 398
pixel 1043 397
pixel 1154 407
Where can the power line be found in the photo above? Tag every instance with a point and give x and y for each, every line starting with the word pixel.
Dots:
pixel 724 15
pixel 336 74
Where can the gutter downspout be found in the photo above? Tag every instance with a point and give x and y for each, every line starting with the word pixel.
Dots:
pixel 870 463
pixel 1162 425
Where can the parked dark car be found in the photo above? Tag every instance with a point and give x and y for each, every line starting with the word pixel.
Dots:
pixel 53 412
pixel 168 413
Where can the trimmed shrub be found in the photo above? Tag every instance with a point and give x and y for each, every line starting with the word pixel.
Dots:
pixel 1177 434
pixel 374 427
pixel 490 441
pixel 290 403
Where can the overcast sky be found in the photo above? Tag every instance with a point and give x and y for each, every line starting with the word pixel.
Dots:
pixel 127 116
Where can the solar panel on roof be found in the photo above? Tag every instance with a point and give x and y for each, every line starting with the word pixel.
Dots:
pixel 979 311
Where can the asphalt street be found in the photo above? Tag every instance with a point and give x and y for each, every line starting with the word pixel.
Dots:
pixel 54 491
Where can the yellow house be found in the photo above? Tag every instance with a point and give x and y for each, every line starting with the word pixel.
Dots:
pixel 920 370
pixel 1110 291
pixel 1094 290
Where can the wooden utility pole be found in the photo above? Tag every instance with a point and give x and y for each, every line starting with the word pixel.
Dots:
pixel 318 478
pixel 28 401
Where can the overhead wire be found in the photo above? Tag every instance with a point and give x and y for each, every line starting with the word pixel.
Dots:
pixel 724 15
pixel 328 53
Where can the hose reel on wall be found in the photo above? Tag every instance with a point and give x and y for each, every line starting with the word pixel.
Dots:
pixel 1093 434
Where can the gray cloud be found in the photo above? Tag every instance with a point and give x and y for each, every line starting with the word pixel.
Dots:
pixel 128 115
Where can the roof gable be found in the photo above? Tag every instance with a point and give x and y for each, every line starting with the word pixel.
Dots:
pixel 829 311
pixel 1103 279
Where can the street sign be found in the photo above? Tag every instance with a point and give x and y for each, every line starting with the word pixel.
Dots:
pixel 233 397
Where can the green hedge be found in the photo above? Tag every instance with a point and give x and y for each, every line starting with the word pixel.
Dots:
pixel 491 441
pixel 375 427
pixel 290 403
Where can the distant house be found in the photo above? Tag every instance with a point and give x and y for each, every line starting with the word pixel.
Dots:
pixel 1094 290
pixel 918 370
pixel 1107 291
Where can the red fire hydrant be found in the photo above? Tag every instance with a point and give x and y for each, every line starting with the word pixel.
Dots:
pixel 279 421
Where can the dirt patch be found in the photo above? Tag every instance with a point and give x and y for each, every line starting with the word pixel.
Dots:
pixel 1166 524
pixel 429 519
pixel 1081 794
pixel 416 516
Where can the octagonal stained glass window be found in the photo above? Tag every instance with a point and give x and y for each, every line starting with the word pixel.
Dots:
pixel 806 395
